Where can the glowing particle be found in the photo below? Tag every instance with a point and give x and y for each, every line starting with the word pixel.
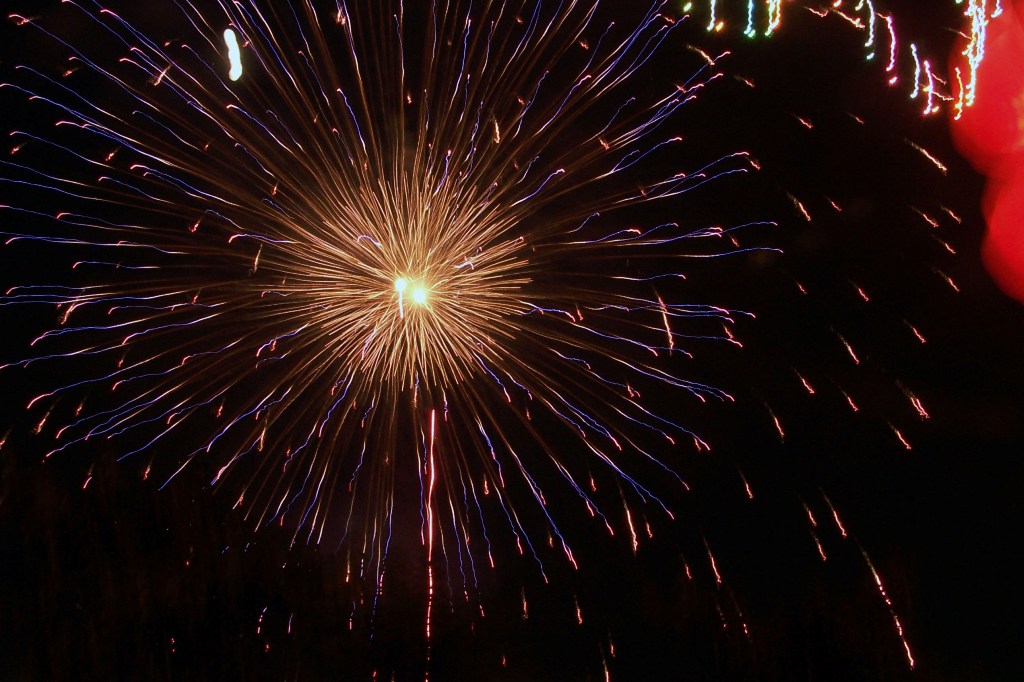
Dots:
pixel 234 54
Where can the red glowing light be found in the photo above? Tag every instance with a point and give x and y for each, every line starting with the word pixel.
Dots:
pixel 990 133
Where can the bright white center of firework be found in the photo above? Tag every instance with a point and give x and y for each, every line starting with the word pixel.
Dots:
pixel 234 54
pixel 419 294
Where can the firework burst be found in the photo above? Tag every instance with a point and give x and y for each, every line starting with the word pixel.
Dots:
pixel 413 277
pixel 330 245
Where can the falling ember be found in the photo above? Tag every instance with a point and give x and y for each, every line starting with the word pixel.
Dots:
pixel 800 207
pixel 713 563
pixel 810 515
pixel 892 609
pixel 915 402
pixel 778 424
pixel 901 438
pixel 916 332
pixel 835 515
pixel 746 486
pixel 817 543
pixel 849 350
pixel 634 540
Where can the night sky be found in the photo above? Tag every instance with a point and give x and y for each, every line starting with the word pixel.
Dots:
pixel 119 580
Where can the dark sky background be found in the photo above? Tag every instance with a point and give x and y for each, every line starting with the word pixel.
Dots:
pixel 120 581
